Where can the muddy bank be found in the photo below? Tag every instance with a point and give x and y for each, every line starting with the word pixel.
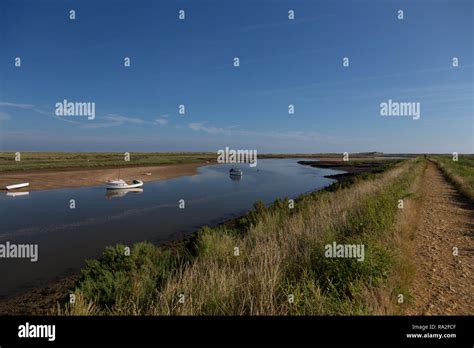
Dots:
pixel 39 301
pixel 53 179
pixel 352 168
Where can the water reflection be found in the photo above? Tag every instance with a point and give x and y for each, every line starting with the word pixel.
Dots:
pixel 236 174
pixel 235 177
pixel 17 194
pixel 121 193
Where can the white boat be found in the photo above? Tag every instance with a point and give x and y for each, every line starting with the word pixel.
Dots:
pixel 122 184
pixel 236 172
pixel 17 186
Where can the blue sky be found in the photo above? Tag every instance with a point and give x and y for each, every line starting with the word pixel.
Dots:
pixel 282 62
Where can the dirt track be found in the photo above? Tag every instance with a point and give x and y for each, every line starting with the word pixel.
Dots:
pixel 444 283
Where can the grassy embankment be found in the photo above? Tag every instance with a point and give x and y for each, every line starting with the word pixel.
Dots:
pixel 77 160
pixel 460 173
pixel 281 254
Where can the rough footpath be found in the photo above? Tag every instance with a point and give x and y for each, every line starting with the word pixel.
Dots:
pixel 444 283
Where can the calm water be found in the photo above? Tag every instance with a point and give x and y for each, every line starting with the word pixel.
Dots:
pixel 66 237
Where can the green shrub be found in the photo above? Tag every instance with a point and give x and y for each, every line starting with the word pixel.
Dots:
pixel 116 276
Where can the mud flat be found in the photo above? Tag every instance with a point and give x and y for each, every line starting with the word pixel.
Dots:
pixel 53 179
pixel 352 168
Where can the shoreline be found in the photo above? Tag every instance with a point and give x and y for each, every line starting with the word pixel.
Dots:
pixel 74 178
pixel 351 169
pixel 61 178
pixel 42 299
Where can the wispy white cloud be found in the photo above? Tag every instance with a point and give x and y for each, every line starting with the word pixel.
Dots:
pixel 109 120
pixel 37 110
pixel 335 83
pixel 270 135
pixel 162 120
pixel 4 116
pixel 114 120
pixel 124 119
pixel 16 105
pixel 201 127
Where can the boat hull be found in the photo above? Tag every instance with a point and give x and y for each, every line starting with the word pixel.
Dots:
pixel 235 172
pixel 136 184
pixel 17 186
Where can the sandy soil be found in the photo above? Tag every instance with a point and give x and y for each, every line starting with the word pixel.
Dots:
pixel 52 179
pixel 444 284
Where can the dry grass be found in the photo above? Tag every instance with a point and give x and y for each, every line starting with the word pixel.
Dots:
pixel 460 173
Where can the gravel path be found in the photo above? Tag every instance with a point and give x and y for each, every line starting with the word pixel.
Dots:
pixel 444 283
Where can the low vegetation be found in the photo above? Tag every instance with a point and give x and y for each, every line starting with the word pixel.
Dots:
pixel 460 172
pixel 71 160
pixel 271 261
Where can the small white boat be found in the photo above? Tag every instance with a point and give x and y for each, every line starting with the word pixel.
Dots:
pixel 236 172
pixel 122 184
pixel 17 186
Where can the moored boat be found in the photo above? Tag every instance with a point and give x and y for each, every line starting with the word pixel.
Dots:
pixel 122 184
pixel 236 172
pixel 17 186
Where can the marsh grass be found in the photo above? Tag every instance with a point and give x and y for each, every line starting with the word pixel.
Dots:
pixel 281 255
pixel 72 160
